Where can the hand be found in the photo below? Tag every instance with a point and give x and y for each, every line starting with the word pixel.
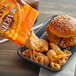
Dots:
pixel 20 2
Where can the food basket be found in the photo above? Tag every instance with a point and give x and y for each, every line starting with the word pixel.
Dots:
pixel 41 34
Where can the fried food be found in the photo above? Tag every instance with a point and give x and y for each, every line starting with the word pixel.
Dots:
pixel 67 53
pixel 37 44
pixel 44 45
pixel 63 61
pixel 70 41
pixel 55 47
pixel 58 51
pixel 27 53
pixel 39 52
pixel 51 53
pixel 38 57
pixel 42 59
pixel 57 57
pixel 54 65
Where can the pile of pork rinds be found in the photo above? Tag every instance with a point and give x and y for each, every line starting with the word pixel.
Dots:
pixel 40 52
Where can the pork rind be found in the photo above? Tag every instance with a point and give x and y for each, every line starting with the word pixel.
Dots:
pixel 38 57
pixel 40 53
pixel 37 44
pixel 57 57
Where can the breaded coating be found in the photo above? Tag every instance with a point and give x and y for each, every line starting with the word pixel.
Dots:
pixel 70 41
pixel 53 39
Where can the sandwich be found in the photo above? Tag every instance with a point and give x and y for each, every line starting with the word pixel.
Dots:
pixel 62 31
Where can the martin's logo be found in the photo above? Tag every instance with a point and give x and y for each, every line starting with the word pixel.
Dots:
pixel 7 20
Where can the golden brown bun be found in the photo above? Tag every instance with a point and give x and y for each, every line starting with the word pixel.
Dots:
pixel 63 26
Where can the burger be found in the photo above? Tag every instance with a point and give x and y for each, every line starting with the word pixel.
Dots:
pixel 62 31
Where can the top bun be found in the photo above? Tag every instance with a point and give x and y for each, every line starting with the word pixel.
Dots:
pixel 63 26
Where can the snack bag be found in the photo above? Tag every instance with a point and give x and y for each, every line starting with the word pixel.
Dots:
pixel 16 21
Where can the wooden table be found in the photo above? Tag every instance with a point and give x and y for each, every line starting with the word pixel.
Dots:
pixel 10 63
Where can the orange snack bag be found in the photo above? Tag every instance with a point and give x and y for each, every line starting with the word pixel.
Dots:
pixel 16 21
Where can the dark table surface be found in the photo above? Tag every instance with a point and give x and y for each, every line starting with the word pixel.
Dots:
pixel 10 63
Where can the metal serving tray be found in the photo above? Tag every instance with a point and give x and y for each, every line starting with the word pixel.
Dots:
pixel 41 34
